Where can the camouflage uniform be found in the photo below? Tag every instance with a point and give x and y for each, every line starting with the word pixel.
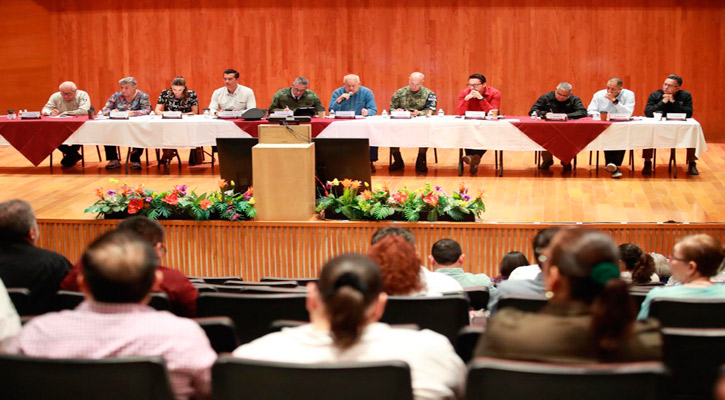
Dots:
pixel 422 100
pixel 283 98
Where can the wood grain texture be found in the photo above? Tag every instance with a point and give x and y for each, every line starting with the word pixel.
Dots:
pixel 523 47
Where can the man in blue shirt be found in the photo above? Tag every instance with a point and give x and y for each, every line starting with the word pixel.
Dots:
pixel 353 97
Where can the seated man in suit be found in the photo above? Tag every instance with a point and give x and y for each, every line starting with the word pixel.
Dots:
pixel 68 100
pixel 119 270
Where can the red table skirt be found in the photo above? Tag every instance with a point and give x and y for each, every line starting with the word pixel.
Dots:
pixel 37 138
pixel 318 125
pixel 563 139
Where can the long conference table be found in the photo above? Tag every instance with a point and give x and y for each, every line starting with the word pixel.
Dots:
pixel 36 139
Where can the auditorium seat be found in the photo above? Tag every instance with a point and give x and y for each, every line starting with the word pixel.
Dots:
pixel 68 300
pixel 522 302
pixel 286 284
pixel 467 340
pixel 490 378
pixel 300 281
pixel 252 314
pixel 20 297
pixel 221 332
pixel 477 296
pixel 694 356
pixel 215 280
pixel 138 378
pixel 688 313
pixel 444 314
pixel 266 380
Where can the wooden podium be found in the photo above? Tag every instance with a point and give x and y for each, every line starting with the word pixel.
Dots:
pixel 283 170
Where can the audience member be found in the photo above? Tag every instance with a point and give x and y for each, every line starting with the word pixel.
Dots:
pixel 9 319
pixel 434 282
pixel 662 267
pixel 590 316
pixel 636 266
pixel 533 286
pixel 509 263
pixel 400 266
pixel 22 265
pixel 447 258
pixel 345 306
pixel 694 260
pixel 119 270
pixel 175 284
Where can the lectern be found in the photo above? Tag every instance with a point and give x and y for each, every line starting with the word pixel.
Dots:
pixel 283 170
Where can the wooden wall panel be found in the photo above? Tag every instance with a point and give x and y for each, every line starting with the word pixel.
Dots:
pixel 254 250
pixel 524 47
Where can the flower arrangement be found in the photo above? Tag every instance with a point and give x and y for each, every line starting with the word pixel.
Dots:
pixel 176 203
pixel 358 201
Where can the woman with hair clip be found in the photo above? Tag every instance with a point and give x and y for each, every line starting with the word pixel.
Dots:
pixel 636 266
pixel 345 306
pixel 176 98
pixel 590 316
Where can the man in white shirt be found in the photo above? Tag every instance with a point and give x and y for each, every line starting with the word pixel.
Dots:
pixel 613 99
pixel 232 96
pixel 68 100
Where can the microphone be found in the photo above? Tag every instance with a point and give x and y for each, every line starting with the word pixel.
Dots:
pixel 349 94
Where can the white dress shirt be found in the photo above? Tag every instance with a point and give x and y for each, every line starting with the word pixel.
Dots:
pixel 525 272
pixel 599 103
pixel 9 319
pixel 436 283
pixel 242 99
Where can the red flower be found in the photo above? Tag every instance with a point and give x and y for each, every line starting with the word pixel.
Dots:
pixel 134 205
pixel 400 197
pixel 204 204
pixel 171 199
pixel 431 199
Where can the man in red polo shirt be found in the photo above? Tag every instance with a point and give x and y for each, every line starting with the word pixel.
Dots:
pixel 477 97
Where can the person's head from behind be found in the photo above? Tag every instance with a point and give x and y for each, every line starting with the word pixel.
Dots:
pixel 542 239
pixel 399 264
pixel 119 267
pixel 696 257
pixel 662 266
pixel 580 266
pixel 510 261
pixel 147 229
pixel 17 222
pixel 347 296
pixel 636 261
pixel 446 253
pixel 393 231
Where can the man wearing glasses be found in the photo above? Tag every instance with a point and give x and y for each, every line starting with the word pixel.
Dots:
pixel 669 99
pixel 559 101
pixel 477 97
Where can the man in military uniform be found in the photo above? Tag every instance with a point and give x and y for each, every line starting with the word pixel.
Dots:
pixel 418 100
pixel 296 96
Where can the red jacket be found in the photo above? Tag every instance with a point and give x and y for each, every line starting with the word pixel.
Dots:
pixel 491 101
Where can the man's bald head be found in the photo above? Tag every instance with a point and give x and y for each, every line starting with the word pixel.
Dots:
pixel 119 267
pixel 415 81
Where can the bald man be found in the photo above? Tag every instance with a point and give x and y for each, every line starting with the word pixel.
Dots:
pixel 354 97
pixel 68 101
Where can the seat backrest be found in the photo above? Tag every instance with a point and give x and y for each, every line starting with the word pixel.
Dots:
pixel 21 299
pixel 282 284
pixel 490 378
pixel 443 314
pixel 522 302
pixel 215 280
pixel 138 378
pixel 478 297
pixel 694 356
pixel 300 281
pixel 252 314
pixel 68 300
pixel 688 313
pixel 467 341
pixel 266 380
pixel 221 332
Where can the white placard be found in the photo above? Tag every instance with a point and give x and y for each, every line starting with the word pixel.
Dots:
pixel 345 114
pixel 30 115
pixel 119 114
pixel 229 114
pixel 171 115
pixel 555 117
pixel 670 116
pixel 282 114
pixel 400 114
pixel 619 117
pixel 475 114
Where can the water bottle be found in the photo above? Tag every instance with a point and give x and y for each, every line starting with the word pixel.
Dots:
pixel 11 114
pixel 441 113
pixel 384 114
pixel 533 115
pixel 332 114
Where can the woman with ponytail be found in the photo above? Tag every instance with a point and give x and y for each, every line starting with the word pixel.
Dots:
pixel 590 316
pixel 636 266
pixel 345 306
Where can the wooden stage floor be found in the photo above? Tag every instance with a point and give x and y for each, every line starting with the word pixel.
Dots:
pixel 523 194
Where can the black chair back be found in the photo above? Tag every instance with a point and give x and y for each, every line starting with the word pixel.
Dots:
pixel 282 284
pixel 221 332
pixel 23 302
pixel 490 378
pixel 467 340
pixel 266 380
pixel 443 314
pixel 215 280
pixel 688 313
pixel 138 378
pixel 694 356
pixel 68 300
pixel 523 302
pixel 252 314
pixel 478 297
pixel 300 281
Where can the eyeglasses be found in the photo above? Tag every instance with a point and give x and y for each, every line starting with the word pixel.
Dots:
pixel 475 84
pixel 672 257
pixel 672 86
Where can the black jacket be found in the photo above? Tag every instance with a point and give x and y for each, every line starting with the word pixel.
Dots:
pixel 682 104
pixel 572 107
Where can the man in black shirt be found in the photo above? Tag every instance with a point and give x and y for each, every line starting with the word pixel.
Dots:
pixel 22 265
pixel 669 99
pixel 559 101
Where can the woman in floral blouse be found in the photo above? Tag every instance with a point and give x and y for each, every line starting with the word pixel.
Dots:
pixel 177 98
